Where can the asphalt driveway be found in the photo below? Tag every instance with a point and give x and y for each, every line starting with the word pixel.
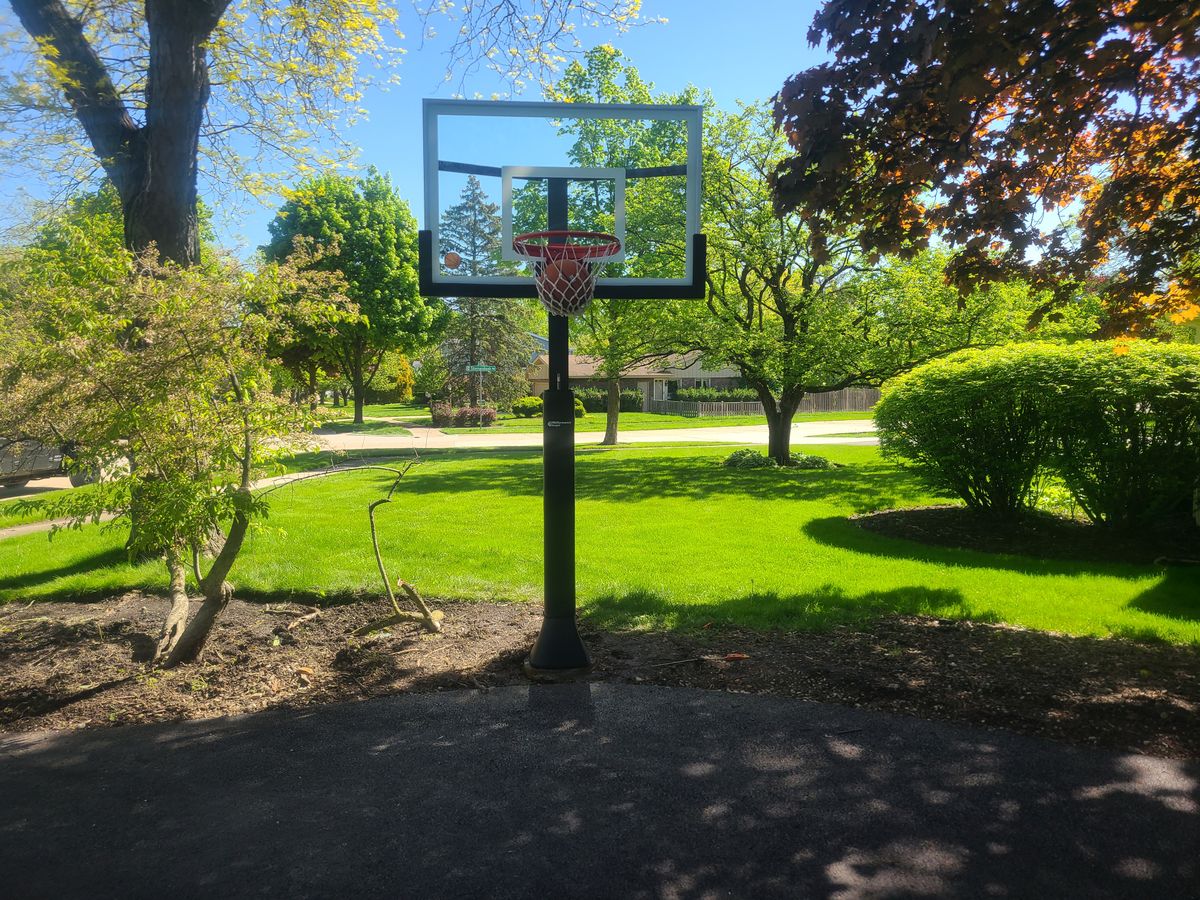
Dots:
pixel 587 791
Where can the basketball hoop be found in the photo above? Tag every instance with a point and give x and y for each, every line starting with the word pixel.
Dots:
pixel 565 266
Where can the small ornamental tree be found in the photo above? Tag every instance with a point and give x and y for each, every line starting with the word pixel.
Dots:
pixel 117 356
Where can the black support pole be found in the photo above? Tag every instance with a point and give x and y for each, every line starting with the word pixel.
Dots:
pixel 558 649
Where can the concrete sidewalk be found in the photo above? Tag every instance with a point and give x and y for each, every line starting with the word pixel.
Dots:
pixel 424 437
pixel 588 791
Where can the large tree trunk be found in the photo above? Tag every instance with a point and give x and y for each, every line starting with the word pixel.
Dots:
pixel 780 412
pixel 613 411
pixel 152 166
pixel 159 196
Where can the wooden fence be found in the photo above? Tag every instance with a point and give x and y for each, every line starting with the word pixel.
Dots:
pixel 847 400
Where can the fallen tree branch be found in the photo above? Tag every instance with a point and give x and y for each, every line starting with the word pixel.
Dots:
pixel 379 624
pixel 429 620
pixel 308 617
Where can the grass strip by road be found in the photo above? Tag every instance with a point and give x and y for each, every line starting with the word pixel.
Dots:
pixel 666 538
pixel 639 421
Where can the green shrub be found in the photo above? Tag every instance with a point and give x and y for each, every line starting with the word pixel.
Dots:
pixel 974 423
pixel 527 407
pixel 1128 431
pixel 595 400
pixel 1119 426
pixel 811 461
pixel 748 458
pixel 579 410
pixel 475 417
pixel 717 395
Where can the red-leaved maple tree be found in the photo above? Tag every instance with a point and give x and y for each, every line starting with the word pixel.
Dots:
pixel 1054 140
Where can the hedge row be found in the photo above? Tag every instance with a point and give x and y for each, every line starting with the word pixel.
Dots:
pixel 528 407
pixel 717 395
pixel 444 416
pixel 1118 424
pixel 595 400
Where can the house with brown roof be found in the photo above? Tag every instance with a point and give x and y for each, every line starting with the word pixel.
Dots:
pixel 657 380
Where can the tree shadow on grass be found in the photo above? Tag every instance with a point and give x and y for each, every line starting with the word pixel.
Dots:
pixel 825 607
pixel 840 532
pixel 1176 595
pixel 102 560
pixel 630 478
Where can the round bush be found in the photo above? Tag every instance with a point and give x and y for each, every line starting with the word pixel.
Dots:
pixel 974 423
pixel 1118 424
pixel 811 461
pixel 527 407
pixel 748 458
pixel 1127 422
pixel 579 410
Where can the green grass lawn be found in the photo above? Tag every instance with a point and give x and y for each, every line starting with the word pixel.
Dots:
pixel 370 426
pixel 639 421
pixel 666 537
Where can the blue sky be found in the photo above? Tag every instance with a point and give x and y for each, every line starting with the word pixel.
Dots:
pixel 738 56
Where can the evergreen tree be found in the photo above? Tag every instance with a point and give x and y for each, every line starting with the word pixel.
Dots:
pixel 483 331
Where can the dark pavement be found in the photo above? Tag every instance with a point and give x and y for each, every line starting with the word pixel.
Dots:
pixel 587 791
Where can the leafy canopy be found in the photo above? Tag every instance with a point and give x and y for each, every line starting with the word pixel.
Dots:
pixel 287 77
pixel 1056 141
pixel 369 236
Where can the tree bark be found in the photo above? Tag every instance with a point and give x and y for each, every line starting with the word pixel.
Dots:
pixel 217 591
pixel 357 383
pixel 780 412
pixel 176 619
pixel 613 411
pixel 153 166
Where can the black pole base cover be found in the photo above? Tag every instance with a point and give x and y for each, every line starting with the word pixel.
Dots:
pixel 559 652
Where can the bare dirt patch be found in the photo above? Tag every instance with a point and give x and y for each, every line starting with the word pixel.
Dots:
pixel 65 665
pixel 1039 535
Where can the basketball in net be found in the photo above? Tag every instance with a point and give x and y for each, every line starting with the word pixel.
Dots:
pixel 565 266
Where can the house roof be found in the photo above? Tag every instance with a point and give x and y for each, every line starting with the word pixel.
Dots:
pixel 587 367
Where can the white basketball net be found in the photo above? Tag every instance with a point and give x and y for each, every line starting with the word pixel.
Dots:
pixel 565 274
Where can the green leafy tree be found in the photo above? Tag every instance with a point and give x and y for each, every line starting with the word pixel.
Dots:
pixel 118 356
pixel 622 334
pixel 483 331
pixel 369 237
pixel 795 305
pixel 163 90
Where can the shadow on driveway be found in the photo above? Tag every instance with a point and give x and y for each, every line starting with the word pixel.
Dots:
pixel 585 791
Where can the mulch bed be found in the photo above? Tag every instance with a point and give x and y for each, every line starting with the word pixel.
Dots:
pixel 1039 535
pixel 65 665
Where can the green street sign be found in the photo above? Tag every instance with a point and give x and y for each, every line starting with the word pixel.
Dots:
pixel 481 368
